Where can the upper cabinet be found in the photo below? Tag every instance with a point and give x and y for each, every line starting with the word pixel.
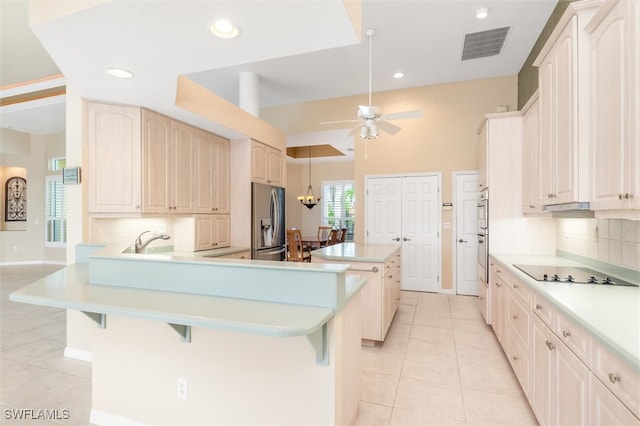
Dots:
pixel 614 37
pixel 143 162
pixel 114 157
pixel 266 164
pixel 531 156
pixel 563 86
pixel 212 168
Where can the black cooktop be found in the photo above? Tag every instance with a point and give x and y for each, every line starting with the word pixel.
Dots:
pixel 578 275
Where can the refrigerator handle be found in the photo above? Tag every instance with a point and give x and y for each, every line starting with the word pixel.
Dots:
pixel 275 216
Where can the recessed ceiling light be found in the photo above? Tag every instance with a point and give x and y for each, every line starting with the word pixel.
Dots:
pixel 223 29
pixel 119 72
pixel 398 75
pixel 482 13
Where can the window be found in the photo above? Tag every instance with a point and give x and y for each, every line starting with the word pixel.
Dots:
pixel 55 212
pixel 338 205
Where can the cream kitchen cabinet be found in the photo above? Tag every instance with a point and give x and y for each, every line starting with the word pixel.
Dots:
pixel 499 301
pixel 606 409
pixel 114 156
pixel 564 109
pixel 614 40
pixel 266 164
pixel 212 173
pixel 531 156
pixel 167 165
pixel 559 380
pixel 202 232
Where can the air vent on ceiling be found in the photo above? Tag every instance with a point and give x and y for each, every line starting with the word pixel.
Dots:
pixel 484 43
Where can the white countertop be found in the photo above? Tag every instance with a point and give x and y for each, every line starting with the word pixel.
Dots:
pixel 353 252
pixel 611 314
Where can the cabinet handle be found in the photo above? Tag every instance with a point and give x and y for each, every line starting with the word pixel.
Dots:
pixel 390 276
pixel 396 239
pixel 498 285
pixel 515 286
pixel 550 345
pixel 538 307
pixel 462 241
pixel 532 207
pixel 515 358
pixel 515 317
pixel 627 196
pixel 566 333
pixel 375 269
pixel 620 196
pixel 613 378
pixel 406 239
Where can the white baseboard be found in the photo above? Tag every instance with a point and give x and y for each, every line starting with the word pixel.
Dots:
pixel 98 417
pixel 78 354
pixel 447 291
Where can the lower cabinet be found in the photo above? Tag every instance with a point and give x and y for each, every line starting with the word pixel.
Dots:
pixel 380 297
pixel 568 377
pixel 202 232
pixel 241 255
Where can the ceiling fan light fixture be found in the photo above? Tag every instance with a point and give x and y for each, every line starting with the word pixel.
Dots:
pixel 224 29
pixel 482 13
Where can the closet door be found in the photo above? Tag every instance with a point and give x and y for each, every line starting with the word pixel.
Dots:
pixel 404 210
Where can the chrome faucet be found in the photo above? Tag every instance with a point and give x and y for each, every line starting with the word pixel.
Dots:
pixel 139 245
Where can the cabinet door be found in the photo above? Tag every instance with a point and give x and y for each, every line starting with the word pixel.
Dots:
pixel 222 187
pixel 546 175
pixel 259 162
pixel 274 161
pixel 606 409
pixel 222 230
pixel 114 157
pixel 571 396
pixel 566 117
pixel 541 371
pixel 205 157
pixel 204 229
pixel 156 163
pixel 483 178
pixel 530 159
pixel 182 168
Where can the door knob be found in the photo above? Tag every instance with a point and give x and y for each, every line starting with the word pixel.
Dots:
pixel 406 239
pixel 462 241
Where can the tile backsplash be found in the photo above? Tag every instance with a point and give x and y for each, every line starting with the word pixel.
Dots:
pixel 615 241
pixel 125 230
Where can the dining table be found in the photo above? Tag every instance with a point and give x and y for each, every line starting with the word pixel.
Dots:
pixel 313 242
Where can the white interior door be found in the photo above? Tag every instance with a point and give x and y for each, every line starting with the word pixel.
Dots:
pixel 405 209
pixel 421 233
pixel 384 209
pixel 466 243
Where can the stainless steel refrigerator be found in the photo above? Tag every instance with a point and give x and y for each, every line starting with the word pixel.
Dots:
pixel 268 241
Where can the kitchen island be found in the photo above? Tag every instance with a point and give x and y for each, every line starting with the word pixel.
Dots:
pixel 380 264
pixel 198 340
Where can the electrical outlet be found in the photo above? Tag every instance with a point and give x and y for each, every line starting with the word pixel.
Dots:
pixel 181 388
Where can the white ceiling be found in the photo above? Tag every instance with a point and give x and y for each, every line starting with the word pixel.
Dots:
pixel 301 50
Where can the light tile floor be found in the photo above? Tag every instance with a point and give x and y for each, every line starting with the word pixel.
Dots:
pixel 440 364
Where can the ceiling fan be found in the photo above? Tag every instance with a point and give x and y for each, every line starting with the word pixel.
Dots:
pixel 370 117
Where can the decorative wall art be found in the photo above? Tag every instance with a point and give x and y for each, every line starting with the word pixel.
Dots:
pixel 15 199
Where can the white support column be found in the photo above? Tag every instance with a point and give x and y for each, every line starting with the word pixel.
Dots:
pixel 249 99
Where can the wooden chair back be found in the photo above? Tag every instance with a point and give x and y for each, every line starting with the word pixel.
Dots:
pixel 323 235
pixel 296 252
pixel 333 237
pixel 342 235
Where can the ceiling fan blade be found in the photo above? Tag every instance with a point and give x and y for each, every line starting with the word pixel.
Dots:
pixel 339 122
pixel 402 115
pixel 387 127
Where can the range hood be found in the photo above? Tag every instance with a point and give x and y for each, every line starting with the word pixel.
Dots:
pixel 577 209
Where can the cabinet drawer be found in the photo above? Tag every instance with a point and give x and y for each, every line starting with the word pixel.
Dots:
pixel 574 336
pixel 521 290
pixel 619 377
pixel 606 409
pixel 520 320
pixel 544 309
pixel 520 362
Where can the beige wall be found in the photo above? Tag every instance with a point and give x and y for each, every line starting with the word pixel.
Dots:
pixel 444 140
pixel 297 183
pixel 32 153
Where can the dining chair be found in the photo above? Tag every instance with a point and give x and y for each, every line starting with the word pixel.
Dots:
pixel 333 237
pixel 296 252
pixel 323 235
pixel 342 235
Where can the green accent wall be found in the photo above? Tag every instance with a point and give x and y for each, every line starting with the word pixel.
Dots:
pixel 528 75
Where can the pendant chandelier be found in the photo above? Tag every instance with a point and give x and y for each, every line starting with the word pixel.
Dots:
pixel 309 200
